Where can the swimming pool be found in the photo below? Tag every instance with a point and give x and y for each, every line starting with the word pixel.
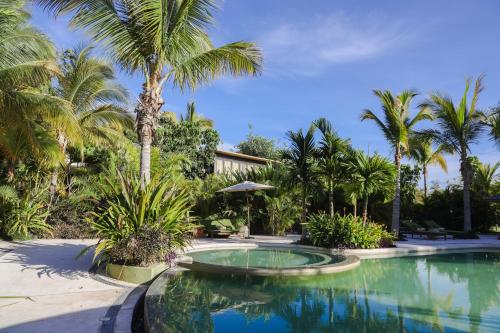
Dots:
pixel 267 261
pixel 457 292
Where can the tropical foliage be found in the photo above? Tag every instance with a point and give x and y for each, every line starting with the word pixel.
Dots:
pixel 459 126
pixel 346 232
pixel 370 175
pixel 141 225
pixel 300 159
pixel 192 136
pixel 256 145
pixel 164 41
pixel 397 126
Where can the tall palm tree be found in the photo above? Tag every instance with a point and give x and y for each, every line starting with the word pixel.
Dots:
pixel 300 158
pixel 423 153
pixel 332 158
pixel 397 127
pixel 165 41
pixel 370 175
pixel 459 126
pixel 27 64
pixel 97 103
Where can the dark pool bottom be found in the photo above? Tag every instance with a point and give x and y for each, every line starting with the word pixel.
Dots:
pixel 440 293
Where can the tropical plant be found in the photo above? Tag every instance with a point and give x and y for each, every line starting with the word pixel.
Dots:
pixel 256 145
pixel 459 126
pixel 397 126
pixel 27 63
pixel 422 152
pixel 332 159
pixel 192 116
pixel 300 159
pixel 492 121
pixel 410 178
pixel 282 212
pixel 24 215
pixel 196 141
pixel 370 175
pixel 485 178
pixel 165 41
pixel 96 102
pixel 346 232
pixel 140 226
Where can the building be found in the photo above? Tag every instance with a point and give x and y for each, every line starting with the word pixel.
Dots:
pixel 227 161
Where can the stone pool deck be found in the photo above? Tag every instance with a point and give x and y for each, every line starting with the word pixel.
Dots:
pixel 62 296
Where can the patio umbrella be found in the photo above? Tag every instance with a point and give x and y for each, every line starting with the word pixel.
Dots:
pixel 247 187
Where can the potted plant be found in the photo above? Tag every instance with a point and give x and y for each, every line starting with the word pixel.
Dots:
pixel 141 228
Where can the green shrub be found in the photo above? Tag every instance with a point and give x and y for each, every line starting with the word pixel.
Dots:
pixel 346 232
pixel 25 216
pixel 142 226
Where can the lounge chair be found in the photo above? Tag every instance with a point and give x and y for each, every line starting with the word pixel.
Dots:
pixel 221 228
pixel 416 229
pixel 459 234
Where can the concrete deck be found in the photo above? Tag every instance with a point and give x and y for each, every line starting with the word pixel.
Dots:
pixel 65 297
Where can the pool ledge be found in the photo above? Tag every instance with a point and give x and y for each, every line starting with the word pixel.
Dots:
pixel 350 262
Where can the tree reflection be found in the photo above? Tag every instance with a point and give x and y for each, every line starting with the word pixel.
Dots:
pixel 390 295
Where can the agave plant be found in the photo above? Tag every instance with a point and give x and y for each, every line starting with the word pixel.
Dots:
pixel 141 226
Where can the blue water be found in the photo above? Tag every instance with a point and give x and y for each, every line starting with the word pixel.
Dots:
pixel 438 293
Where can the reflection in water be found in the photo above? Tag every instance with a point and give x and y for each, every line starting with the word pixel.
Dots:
pixel 264 258
pixel 439 293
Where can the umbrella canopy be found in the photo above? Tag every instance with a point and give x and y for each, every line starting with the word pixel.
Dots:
pixel 247 187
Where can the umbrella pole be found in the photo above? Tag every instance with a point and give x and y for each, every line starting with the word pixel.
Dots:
pixel 248 213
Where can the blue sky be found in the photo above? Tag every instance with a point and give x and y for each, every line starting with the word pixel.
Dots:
pixel 323 58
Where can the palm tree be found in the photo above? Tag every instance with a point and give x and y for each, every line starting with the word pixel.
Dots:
pixel 370 175
pixel 97 103
pixel 397 127
pixel 192 117
pixel 27 63
pixel 492 121
pixel 331 161
pixel 485 177
pixel 422 152
pixel 165 41
pixel 300 158
pixel 459 126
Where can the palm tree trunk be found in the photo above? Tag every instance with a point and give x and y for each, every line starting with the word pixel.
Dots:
pixel 465 169
pixel 397 197
pixel 355 208
pixel 147 115
pixel 365 211
pixel 63 142
pixel 330 200
pixel 303 215
pixel 424 171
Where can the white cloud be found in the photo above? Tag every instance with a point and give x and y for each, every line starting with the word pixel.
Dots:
pixel 307 48
pixel 226 146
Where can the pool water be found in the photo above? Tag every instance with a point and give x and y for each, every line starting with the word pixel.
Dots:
pixel 273 258
pixel 440 293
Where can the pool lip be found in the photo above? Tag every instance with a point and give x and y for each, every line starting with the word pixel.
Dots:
pixel 349 262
